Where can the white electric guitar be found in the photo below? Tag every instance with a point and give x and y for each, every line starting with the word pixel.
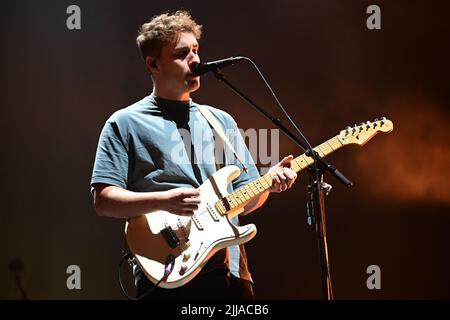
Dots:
pixel 172 249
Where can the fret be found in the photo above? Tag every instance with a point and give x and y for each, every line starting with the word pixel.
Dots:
pixel 298 164
pixel 268 180
pixel 259 186
pixel 319 151
pixel 330 146
pixel 254 189
pixel 235 197
pixel 249 190
pixel 306 160
pixel 242 194
pixel 220 207
pixel 240 197
pixel 245 193
pixel 264 183
pixel 334 143
pixel 325 148
pixel 228 202
pixel 295 166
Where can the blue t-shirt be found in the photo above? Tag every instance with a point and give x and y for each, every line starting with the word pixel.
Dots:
pixel 158 144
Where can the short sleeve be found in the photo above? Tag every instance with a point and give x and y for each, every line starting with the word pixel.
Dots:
pixel 111 159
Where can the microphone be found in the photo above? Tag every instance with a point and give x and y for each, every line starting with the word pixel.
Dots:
pixel 202 68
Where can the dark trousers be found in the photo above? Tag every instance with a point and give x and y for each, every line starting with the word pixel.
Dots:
pixel 214 285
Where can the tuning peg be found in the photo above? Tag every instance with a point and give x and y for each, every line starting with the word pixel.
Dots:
pixel 354 128
pixel 368 124
pixel 383 120
pixel 361 125
pixel 347 130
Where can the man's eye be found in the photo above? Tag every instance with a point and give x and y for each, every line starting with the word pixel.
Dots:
pixel 181 54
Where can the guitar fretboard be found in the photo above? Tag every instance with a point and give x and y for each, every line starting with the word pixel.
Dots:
pixel 257 187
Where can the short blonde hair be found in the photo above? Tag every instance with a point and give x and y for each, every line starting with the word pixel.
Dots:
pixel 163 29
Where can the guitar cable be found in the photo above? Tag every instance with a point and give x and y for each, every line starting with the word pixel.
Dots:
pixel 168 267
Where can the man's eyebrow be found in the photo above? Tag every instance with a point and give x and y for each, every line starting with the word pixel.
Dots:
pixel 186 47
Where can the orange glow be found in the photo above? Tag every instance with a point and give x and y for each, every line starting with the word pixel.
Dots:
pixel 412 162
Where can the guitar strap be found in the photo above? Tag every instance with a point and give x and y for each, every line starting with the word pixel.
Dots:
pixel 212 120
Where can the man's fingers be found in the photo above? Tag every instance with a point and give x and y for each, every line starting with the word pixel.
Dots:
pixel 291 176
pixel 276 179
pixel 283 181
pixel 286 160
pixel 190 193
pixel 191 200
pixel 283 176
pixel 191 208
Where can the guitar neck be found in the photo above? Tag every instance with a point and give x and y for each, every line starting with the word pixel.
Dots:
pixel 257 187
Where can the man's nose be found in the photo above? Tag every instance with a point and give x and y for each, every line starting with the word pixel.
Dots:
pixel 194 61
pixel 195 58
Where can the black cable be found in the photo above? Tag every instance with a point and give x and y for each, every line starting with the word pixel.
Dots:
pixel 310 149
pixel 125 256
pixel 281 107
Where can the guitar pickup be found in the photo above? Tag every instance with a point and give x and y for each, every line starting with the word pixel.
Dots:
pixel 170 237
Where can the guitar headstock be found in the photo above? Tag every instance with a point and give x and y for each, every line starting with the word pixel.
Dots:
pixel 362 133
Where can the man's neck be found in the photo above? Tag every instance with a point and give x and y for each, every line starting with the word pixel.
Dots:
pixel 171 96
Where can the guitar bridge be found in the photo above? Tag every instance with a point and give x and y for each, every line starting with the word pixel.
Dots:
pixel 170 237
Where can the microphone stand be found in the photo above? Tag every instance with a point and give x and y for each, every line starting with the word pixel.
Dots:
pixel 316 189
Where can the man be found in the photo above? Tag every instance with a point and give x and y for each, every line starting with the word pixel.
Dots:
pixel 136 170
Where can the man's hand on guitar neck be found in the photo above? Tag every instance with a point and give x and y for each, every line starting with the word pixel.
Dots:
pixel 283 179
pixel 283 176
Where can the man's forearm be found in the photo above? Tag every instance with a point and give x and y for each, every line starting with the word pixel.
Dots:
pixel 116 202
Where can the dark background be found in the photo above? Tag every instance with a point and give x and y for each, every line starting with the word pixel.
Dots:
pixel 59 86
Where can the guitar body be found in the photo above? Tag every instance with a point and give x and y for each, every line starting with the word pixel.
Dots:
pixel 154 236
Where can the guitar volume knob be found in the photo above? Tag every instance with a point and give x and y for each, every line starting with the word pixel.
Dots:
pixel 186 256
pixel 183 268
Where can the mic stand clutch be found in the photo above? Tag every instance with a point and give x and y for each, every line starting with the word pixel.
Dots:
pixel 316 210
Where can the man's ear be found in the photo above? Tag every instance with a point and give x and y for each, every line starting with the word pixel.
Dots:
pixel 152 64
